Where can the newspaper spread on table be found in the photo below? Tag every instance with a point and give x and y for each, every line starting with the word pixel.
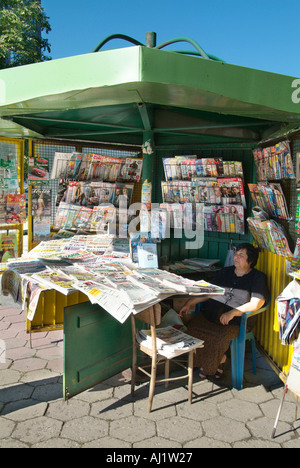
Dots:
pixel 117 285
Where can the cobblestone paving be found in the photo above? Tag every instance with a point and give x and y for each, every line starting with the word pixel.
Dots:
pixel 33 413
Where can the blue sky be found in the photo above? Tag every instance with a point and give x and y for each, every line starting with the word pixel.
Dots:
pixel 262 34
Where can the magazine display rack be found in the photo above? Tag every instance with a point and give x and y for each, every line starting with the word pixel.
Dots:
pixel 215 183
pixel 12 199
pixel 90 187
pixel 272 164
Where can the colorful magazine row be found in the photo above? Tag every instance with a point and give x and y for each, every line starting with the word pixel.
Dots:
pixel 216 191
pixel 224 218
pixel 228 218
pixel 12 208
pixel 103 218
pixel 76 217
pixel 187 167
pixel 90 194
pixel 274 162
pixel 269 235
pixel 92 166
pixel 270 198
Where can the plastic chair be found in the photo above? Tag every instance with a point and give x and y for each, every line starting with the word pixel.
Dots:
pixel 237 348
pixel 152 316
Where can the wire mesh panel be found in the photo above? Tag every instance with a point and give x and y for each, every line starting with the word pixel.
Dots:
pixel 47 151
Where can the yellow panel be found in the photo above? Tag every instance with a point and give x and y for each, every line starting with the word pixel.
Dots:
pixel 50 310
pixel 267 330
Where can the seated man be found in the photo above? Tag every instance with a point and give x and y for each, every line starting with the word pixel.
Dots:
pixel 218 322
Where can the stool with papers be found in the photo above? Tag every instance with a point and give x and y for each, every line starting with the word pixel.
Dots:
pixel 161 344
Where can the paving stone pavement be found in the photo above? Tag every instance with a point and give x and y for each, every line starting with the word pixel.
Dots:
pixel 33 413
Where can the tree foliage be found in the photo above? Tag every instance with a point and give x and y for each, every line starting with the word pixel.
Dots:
pixel 22 23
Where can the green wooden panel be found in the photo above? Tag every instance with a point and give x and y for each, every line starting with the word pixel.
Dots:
pixel 96 347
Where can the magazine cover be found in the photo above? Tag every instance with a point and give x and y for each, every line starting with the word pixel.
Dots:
pixel 125 191
pixel 38 168
pixel 131 170
pixel 232 191
pixel 170 192
pixel 82 219
pixel 8 247
pixel 2 206
pixel 280 201
pixel 254 192
pixel 187 166
pixel 73 166
pixel 297 216
pixel 101 192
pixel 9 173
pixel 172 170
pixel 61 191
pixel 72 214
pixel 41 202
pixel 15 208
pixel 85 167
pixel 77 193
pixel 61 215
pixel 101 217
pixel 234 218
pixel 41 228
pixel 103 167
pixel 60 164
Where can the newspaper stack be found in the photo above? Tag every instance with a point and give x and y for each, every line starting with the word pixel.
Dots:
pixel 170 342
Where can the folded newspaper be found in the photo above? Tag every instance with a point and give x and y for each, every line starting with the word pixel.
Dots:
pixel 170 342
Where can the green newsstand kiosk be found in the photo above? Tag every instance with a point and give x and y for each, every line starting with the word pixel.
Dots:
pixel 161 103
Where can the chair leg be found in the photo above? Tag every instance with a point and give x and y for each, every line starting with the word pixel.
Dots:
pixel 253 356
pixel 133 370
pixel 167 372
pixel 237 348
pixel 134 356
pixel 152 384
pixel 190 375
